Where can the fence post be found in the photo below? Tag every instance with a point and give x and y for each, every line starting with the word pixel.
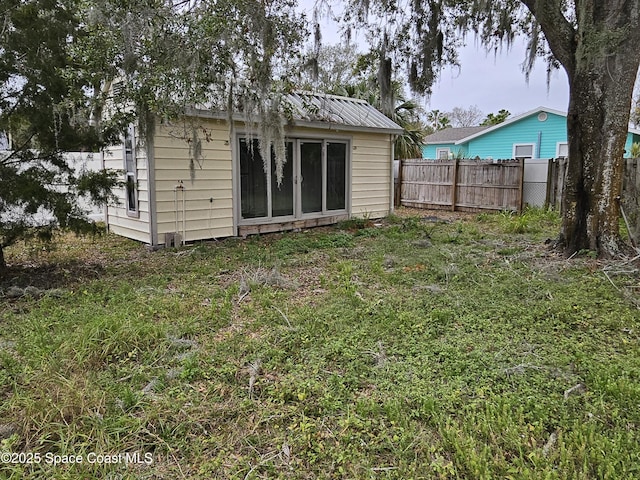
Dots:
pixel 551 180
pixel 560 178
pixel 454 185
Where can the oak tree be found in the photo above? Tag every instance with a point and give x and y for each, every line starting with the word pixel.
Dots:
pixel 595 41
pixel 44 112
pixel 465 117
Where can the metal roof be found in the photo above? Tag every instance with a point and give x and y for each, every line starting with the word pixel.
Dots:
pixel 318 110
pixel 309 109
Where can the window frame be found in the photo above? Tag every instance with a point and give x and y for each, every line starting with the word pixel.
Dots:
pixel 533 151
pixel 297 187
pixel 558 146
pixel 446 150
pixel 130 174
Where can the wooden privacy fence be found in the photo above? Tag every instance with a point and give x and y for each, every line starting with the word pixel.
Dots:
pixel 557 172
pixel 467 185
pixel 630 201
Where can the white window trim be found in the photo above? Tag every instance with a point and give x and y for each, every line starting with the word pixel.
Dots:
pixel 533 149
pixel 558 145
pixel 133 175
pixel 297 201
pixel 445 149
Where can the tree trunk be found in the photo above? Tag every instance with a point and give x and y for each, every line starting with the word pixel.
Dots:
pixel 3 263
pixel 601 87
pixel 597 126
pixel 598 48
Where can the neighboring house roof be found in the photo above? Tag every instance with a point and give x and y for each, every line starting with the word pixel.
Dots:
pixel 509 122
pixel 463 135
pixel 319 110
pixel 452 134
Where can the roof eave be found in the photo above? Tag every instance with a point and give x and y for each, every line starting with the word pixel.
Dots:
pixel 441 142
pixel 345 128
pixel 236 117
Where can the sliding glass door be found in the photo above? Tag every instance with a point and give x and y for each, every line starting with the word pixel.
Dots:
pixel 311 176
pixel 282 199
pixel 315 181
pixel 336 176
pixel 260 195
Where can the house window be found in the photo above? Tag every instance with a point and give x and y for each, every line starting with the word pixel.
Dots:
pixel 562 150
pixel 442 153
pixel 130 176
pixel 314 183
pixel 523 151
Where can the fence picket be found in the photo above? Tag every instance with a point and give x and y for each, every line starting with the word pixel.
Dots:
pixel 470 185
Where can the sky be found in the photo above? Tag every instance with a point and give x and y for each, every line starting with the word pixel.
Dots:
pixel 490 82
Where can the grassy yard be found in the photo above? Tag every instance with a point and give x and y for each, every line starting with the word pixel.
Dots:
pixel 414 349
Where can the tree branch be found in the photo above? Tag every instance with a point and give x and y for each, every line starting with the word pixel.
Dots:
pixel 558 31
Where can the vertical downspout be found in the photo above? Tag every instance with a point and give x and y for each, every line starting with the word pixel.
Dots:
pixel 539 146
pixel 151 184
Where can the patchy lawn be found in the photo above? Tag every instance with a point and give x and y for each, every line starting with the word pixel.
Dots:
pixel 416 348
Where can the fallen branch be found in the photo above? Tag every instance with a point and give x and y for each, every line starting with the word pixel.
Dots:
pixel 609 278
pixel 578 389
pixel 626 222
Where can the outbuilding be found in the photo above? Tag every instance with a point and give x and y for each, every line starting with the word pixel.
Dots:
pixel 201 177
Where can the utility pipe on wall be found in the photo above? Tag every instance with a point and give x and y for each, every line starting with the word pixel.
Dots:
pixel 539 146
pixel 180 188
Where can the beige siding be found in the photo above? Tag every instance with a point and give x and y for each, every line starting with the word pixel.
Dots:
pixel 370 169
pixel 208 197
pixel 212 181
pixel 370 174
pixel 118 220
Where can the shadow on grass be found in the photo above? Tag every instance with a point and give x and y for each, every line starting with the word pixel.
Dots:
pixel 50 275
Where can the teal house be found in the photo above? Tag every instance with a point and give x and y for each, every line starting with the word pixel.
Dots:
pixel 539 133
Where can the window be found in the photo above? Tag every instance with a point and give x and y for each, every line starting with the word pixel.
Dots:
pixel 314 180
pixel 442 153
pixel 562 150
pixel 130 177
pixel 523 151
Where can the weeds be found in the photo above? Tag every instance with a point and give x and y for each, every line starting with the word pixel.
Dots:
pixel 417 350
